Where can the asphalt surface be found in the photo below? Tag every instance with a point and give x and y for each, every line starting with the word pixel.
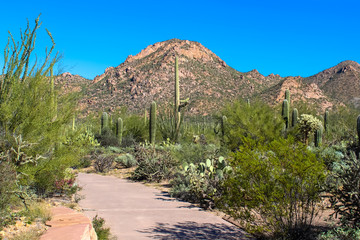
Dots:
pixel 135 211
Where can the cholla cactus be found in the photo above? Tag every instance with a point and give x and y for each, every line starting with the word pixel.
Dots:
pixel 308 124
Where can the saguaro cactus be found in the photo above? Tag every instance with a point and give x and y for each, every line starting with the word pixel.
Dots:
pixel 145 116
pixel 119 129
pixel 294 117
pixel 285 112
pixel 152 125
pixel 221 126
pixel 318 136
pixel 178 104
pixel 104 122
pixel 287 95
pixel 73 123
pixel 326 121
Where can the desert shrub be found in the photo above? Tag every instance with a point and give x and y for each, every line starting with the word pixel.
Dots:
pixel 345 189
pixel 7 185
pixel 34 117
pixel 342 122
pixel 37 210
pixel 103 161
pixel 275 187
pixel 200 183
pixel 340 233
pixel 154 165
pixel 84 162
pixel 135 129
pixel 115 149
pixel 257 121
pixel 196 153
pixel 107 138
pixel 126 160
pixel 102 232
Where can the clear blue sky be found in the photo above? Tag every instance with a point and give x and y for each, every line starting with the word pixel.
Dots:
pixel 290 38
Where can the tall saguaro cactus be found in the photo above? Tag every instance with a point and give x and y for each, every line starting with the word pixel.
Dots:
pixel 285 112
pixel 119 129
pixel 326 121
pixel 152 125
pixel 287 95
pixel 178 104
pixel 104 122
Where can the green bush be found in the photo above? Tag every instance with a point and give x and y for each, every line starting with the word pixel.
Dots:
pixel 195 153
pixel 101 232
pixel 107 138
pixel 7 185
pixel 126 160
pixel 340 233
pixel 279 182
pixel 257 121
pixel 345 189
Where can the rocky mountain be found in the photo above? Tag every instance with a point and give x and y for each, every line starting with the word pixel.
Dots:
pixel 341 82
pixel 206 80
pixel 300 91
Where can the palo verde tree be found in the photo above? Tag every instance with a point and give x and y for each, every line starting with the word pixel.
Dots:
pixel 33 118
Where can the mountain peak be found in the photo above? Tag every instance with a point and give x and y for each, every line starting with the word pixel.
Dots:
pixel 176 47
pixel 148 76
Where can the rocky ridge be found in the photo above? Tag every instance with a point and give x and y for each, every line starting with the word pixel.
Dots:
pixel 206 79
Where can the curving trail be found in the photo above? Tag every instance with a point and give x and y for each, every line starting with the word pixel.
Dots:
pixel 134 211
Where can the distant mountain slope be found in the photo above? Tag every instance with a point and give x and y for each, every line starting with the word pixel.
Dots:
pixel 341 82
pixel 299 91
pixel 206 79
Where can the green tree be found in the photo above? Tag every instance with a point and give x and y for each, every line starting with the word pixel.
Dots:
pixel 257 121
pixel 275 187
pixel 33 125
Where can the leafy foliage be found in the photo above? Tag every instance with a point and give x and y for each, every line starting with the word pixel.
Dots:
pixel 7 186
pixel 257 121
pixel 280 182
pixel 126 160
pixel 102 232
pixel 340 233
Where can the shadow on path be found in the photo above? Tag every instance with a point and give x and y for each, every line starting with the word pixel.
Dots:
pixel 193 230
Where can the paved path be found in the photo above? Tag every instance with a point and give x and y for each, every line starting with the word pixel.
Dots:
pixel 134 211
